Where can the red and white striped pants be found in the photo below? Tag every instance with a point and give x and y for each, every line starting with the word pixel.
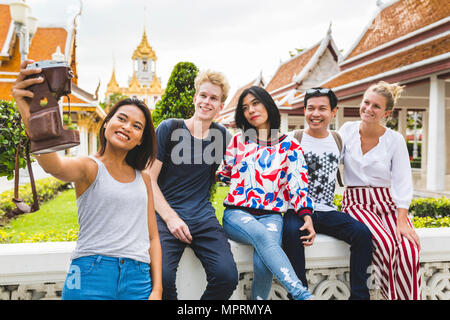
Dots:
pixel 396 264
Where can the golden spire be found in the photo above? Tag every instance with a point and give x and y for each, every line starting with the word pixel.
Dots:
pixel 134 84
pixel 113 85
pixel 155 86
pixel 144 50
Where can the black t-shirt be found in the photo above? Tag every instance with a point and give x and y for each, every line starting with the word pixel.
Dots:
pixel 185 177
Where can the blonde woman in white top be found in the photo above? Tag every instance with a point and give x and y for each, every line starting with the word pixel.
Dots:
pixel 379 190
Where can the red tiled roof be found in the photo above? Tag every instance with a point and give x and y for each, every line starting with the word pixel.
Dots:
pixel 45 42
pixel 290 68
pixel 43 45
pixel 399 19
pixel 5 91
pixel 74 99
pixel 13 64
pixel 5 19
pixel 416 54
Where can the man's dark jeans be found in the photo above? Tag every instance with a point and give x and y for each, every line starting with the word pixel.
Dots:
pixel 211 246
pixel 338 225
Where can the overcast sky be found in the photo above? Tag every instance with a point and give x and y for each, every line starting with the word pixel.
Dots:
pixel 238 37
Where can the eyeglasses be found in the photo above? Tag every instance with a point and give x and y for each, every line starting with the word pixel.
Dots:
pixel 320 90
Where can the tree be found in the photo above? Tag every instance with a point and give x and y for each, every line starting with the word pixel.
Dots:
pixel 12 134
pixel 178 98
pixel 112 100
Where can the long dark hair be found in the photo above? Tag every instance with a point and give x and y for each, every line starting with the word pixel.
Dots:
pixel 142 155
pixel 266 99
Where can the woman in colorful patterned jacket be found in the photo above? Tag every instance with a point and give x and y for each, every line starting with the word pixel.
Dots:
pixel 266 172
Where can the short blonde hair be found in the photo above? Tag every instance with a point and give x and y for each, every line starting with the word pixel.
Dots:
pixel 216 78
pixel 391 91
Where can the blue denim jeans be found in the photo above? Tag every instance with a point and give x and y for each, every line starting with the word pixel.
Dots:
pixel 264 234
pixel 100 277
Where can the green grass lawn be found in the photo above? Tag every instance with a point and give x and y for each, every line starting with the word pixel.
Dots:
pixel 221 193
pixel 57 220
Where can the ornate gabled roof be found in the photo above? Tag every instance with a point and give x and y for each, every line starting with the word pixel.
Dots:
pixel 144 50
pixel 416 54
pixel 293 72
pixel 418 60
pixel 396 19
pixel 289 69
pixel 310 70
pixel 43 44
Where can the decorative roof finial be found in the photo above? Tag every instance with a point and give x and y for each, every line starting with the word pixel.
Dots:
pixel 58 56
pixel 329 28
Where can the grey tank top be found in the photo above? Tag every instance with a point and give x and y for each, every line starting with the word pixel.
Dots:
pixel 112 218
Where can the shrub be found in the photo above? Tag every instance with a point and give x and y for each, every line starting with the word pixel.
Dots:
pixel 338 201
pixel 430 207
pixel 12 133
pixel 410 146
pixel 416 163
pixel 178 98
pixel 429 222
pixel 49 236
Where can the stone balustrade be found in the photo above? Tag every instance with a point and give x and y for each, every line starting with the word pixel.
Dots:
pixel 37 270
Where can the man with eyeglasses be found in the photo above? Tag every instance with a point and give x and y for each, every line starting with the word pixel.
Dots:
pixel 322 150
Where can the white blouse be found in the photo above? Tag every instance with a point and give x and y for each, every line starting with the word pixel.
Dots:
pixel 385 165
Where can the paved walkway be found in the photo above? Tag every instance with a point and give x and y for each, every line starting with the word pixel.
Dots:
pixel 420 191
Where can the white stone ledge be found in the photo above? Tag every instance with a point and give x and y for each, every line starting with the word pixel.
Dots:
pixel 40 263
pixel 34 262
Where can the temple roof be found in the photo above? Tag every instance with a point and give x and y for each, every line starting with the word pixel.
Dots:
pixel 42 46
pixel 5 26
pixel 144 50
pixel 134 84
pixel 396 19
pixel 289 69
pixel 113 85
pixel 288 81
pixel 402 59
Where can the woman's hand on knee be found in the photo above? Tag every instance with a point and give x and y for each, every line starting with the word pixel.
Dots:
pixel 405 230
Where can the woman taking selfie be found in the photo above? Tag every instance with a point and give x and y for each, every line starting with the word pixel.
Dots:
pixel 118 253
pixel 379 190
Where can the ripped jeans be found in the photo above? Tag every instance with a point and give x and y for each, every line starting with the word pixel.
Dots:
pixel 264 234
